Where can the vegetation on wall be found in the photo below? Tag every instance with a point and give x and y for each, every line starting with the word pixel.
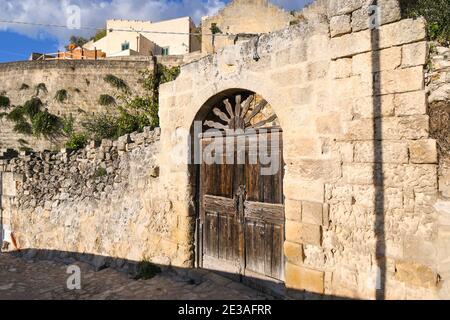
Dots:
pixel 4 102
pixel 106 100
pixel 30 119
pixel 100 172
pixel 41 87
pixel 46 124
pixel 24 86
pixel 437 14
pixel 116 82
pixel 32 107
pixel 23 127
pixel 215 29
pixel 77 141
pixel 24 145
pixel 101 126
pixel 135 112
pixel 61 95
pixel 16 115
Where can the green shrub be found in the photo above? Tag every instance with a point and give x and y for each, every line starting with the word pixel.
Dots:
pixel 61 95
pixel 3 115
pixel 136 112
pixel 106 100
pixel 32 107
pixel 165 74
pixel 24 86
pixel 41 87
pixel 4 102
pixel 99 35
pixel 437 14
pixel 23 127
pixel 101 126
pixel 100 172
pixel 215 29
pixel 16 115
pixel 68 124
pixel 116 82
pixel 46 124
pixel 147 270
pixel 77 141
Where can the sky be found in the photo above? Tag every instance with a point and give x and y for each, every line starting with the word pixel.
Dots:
pixel 17 42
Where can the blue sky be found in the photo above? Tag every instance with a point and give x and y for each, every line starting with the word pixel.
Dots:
pixel 18 42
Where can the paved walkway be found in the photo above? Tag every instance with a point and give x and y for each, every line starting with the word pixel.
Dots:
pixel 22 279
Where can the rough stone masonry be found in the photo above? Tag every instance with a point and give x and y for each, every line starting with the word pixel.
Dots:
pixel 364 213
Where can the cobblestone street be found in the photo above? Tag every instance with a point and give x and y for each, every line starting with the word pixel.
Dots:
pixel 25 279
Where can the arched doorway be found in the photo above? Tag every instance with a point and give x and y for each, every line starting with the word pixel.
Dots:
pixel 240 189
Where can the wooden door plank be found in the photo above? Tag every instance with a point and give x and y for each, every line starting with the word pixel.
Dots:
pixel 268 246
pixel 222 232
pixel 277 264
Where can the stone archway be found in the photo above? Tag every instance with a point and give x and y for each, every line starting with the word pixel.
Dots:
pixel 239 188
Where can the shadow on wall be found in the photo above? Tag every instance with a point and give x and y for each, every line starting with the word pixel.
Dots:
pixel 378 175
pixel 190 275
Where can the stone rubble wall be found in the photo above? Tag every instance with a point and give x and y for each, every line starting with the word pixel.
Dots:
pixel 319 77
pixel 83 80
pixel 323 78
pixel 438 87
pixel 105 200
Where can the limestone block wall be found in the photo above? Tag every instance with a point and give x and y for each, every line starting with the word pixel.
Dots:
pixel 243 16
pixel 106 200
pixel 361 180
pixel 82 79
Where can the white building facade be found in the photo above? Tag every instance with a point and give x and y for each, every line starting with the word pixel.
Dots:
pixel 146 38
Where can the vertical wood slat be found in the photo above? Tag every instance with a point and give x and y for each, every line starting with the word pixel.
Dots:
pixel 212 236
pixel 277 252
pixel 259 242
pixel 268 246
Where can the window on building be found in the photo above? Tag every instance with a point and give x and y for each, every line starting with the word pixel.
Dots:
pixel 125 46
pixel 165 51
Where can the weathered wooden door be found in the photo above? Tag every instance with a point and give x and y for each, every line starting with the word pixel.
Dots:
pixel 241 206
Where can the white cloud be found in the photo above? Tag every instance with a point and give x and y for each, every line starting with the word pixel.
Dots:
pixel 94 13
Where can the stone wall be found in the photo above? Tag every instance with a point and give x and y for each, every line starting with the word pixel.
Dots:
pixel 105 200
pixel 361 169
pixel 438 86
pixel 364 216
pixel 243 16
pixel 82 79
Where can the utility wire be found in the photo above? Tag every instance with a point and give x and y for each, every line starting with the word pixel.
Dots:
pixel 13 53
pixel 122 30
